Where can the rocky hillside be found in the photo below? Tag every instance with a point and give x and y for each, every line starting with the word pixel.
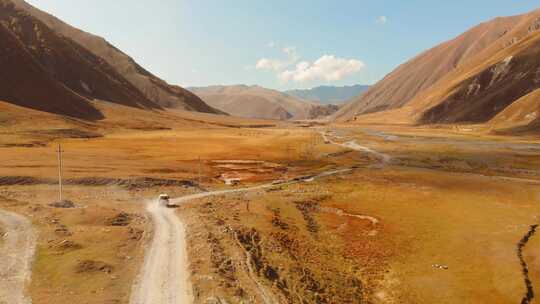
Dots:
pixel 421 73
pixel 259 102
pixel 151 87
pixel 69 74
pixel 24 82
pixel 478 93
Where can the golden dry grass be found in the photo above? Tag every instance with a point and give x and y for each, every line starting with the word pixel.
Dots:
pixel 438 204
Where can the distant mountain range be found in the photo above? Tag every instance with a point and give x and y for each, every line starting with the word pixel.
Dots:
pixel 258 102
pixel 329 94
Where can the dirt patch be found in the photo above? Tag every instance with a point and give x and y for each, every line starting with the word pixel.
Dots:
pixel 21 180
pixel 307 208
pixel 277 221
pixel 31 144
pixel 121 219
pixel 65 133
pixel 87 266
pixel 129 184
pixel 65 204
pixel 66 246
pixel 62 230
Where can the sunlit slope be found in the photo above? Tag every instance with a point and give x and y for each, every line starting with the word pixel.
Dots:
pixel 149 85
pixel 466 80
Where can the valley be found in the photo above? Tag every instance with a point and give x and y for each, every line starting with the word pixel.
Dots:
pixel 390 203
pixel 342 175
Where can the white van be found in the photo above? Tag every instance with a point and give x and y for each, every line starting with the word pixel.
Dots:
pixel 164 200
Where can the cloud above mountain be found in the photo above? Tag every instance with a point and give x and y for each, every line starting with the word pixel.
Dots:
pixel 279 64
pixel 327 68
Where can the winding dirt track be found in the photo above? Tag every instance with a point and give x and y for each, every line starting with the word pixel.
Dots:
pixel 16 256
pixel 164 278
pixel 353 145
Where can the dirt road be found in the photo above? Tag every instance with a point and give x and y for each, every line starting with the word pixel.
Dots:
pixel 353 145
pixel 164 278
pixel 16 255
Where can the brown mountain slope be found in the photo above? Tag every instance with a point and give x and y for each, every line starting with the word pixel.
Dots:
pixel 500 91
pixel 522 115
pixel 24 82
pixel 256 102
pixel 65 62
pixel 479 91
pixel 151 86
pixel 423 71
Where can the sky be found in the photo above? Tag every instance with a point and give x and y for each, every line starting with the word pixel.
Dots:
pixel 279 44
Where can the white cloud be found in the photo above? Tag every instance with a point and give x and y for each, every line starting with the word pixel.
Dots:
pixel 327 68
pixel 271 44
pixel 279 64
pixel 381 20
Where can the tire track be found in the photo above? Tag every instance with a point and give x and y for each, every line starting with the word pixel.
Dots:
pixel 529 294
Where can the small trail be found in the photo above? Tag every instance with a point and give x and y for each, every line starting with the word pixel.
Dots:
pixel 16 257
pixel 529 294
pixel 339 212
pixel 353 145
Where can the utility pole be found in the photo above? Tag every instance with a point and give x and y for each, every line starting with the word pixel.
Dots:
pixel 199 171
pixel 60 171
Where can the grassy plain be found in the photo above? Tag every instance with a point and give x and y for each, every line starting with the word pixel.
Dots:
pixel 455 199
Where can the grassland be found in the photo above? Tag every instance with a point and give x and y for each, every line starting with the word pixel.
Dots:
pixel 439 223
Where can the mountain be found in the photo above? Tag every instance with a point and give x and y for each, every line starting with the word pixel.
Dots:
pixel 24 82
pixel 329 94
pixel 44 70
pixel 423 71
pixel 144 83
pixel 475 78
pixel 259 102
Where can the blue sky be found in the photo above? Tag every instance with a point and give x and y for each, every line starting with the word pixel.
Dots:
pixel 278 44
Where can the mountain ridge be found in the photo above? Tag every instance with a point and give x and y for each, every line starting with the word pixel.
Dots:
pixel 259 102
pixel 152 87
pixel 327 94
pixel 424 70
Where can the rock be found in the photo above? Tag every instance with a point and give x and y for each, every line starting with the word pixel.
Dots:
pixel 535 26
pixel 63 204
